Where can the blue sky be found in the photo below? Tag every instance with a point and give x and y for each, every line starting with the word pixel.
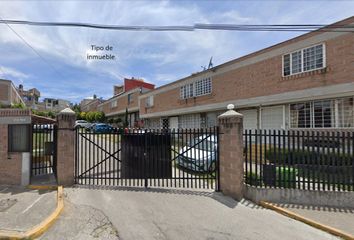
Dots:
pixel 157 57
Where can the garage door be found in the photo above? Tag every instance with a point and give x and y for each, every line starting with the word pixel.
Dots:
pixel 249 118
pixel 272 117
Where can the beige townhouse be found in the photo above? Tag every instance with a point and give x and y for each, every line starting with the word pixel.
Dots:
pixel 9 94
pixel 305 82
pixel 90 105
pixel 126 99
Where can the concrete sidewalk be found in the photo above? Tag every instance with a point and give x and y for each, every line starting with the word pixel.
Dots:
pixel 339 218
pixel 137 213
pixel 21 208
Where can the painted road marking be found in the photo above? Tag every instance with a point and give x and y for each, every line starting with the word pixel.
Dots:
pixel 32 204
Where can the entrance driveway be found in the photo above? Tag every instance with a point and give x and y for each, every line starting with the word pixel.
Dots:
pixel 185 214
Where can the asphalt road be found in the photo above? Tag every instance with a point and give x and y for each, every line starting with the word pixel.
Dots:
pixel 183 214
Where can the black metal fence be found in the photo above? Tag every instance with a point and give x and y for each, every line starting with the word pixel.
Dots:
pixel 313 160
pixel 43 158
pixel 185 158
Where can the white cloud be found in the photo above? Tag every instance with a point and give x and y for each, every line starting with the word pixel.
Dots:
pixel 7 72
pixel 158 56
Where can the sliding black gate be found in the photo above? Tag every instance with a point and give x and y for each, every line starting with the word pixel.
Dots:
pixel 43 156
pixel 149 158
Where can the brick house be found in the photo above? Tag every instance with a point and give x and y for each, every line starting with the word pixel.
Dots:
pixel 305 82
pixel 126 99
pixel 91 105
pixel 9 94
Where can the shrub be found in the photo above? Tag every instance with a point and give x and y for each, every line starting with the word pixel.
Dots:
pixel 18 105
pixel 286 177
pixel 253 179
pixel 307 157
pixel 99 116
pixel 82 115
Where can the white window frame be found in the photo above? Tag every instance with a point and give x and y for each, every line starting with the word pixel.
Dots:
pixel 114 104
pixel 302 60
pixel 149 101
pixel 185 89
pixel 312 118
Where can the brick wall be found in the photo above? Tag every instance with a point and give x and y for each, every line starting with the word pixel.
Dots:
pixel 91 106
pixel 122 103
pixel 4 91
pixel 263 78
pixel 10 163
pixel 66 148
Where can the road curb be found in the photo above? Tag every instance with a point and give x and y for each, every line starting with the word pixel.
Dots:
pixel 44 225
pixel 42 187
pixel 308 221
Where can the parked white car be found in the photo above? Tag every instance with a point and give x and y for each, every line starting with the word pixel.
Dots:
pixel 199 155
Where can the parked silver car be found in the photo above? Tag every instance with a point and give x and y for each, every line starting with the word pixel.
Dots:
pixel 199 155
pixel 82 124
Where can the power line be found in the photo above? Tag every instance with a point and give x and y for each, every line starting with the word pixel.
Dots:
pixel 29 45
pixel 197 26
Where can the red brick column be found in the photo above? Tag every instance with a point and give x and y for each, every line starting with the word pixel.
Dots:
pixel 231 153
pixel 66 147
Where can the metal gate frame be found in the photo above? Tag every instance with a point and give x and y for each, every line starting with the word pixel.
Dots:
pixel 44 149
pixel 99 159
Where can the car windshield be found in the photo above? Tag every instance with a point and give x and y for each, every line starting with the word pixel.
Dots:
pixel 201 144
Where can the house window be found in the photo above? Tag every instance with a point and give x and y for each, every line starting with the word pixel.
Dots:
pixel 286 65
pixel 189 121
pixel 130 98
pixel 19 138
pixel 304 60
pixel 149 101
pixel 198 88
pixel 114 104
pixel 187 91
pixel 345 111
pixel 300 115
pixel 313 57
pixel 337 113
pixel 296 60
pixel 203 87
pixel 323 112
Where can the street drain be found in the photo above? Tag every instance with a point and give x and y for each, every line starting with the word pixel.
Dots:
pixel 6 204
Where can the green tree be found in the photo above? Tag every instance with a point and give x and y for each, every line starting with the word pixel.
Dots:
pixel 90 116
pixel 99 116
pixel 51 114
pixel 76 108
pixel 82 116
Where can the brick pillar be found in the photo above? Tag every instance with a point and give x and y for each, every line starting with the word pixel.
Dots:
pixel 231 153
pixel 66 147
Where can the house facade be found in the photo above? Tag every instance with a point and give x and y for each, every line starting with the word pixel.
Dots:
pixel 30 96
pixel 9 94
pixel 305 82
pixel 91 105
pixel 125 100
pixel 53 104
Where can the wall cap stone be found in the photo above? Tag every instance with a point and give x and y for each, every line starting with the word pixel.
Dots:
pixel 230 113
pixel 67 111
